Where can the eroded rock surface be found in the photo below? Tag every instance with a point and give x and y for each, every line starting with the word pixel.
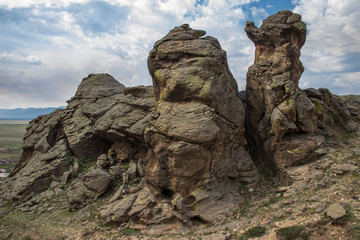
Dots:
pixel 196 142
pixel 198 137
pixel 283 119
pixel 45 156
pixel 103 119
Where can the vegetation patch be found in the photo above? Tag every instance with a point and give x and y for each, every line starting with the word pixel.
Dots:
pixel 11 138
pixel 272 200
pixel 131 231
pixel 84 165
pixel 293 233
pixel 27 237
pixel 254 232
pixel 355 231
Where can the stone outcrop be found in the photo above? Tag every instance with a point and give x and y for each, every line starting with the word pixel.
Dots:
pixel 175 154
pixel 283 119
pixel 196 142
pixel 103 117
pixel 45 157
pixel 178 155
pixel 198 137
pixel 332 110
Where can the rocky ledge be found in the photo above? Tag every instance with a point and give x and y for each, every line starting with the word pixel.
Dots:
pixel 175 154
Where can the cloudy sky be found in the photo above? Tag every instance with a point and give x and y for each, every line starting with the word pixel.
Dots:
pixel 48 46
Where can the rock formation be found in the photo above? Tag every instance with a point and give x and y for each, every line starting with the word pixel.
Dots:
pixel 179 155
pixel 199 135
pixel 196 143
pixel 103 117
pixel 283 119
pixel 175 154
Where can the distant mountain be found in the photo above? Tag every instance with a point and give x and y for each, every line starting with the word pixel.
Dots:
pixel 25 113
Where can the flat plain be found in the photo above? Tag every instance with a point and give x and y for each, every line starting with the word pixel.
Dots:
pixel 11 138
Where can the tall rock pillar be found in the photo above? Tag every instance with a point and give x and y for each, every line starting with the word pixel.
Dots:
pixel 198 137
pixel 280 117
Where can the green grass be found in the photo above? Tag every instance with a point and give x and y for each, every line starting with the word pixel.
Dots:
pixel 355 231
pixel 131 231
pixel 84 165
pixel 11 140
pixel 254 232
pixel 11 135
pixel 273 200
pixel 293 233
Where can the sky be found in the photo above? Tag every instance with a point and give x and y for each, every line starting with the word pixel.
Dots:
pixel 48 46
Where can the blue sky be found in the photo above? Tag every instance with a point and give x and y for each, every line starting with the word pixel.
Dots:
pixel 48 46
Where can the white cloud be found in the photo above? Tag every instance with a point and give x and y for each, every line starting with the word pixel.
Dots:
pixel 18 59
pixel 65 39
pixel 332 48
pixel 72 52
pixel 177 8
pixel 258 12
pixel 29 3
pixel 347 80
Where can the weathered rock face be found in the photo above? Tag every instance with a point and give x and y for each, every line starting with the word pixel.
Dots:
pixel 45 156
pixel 283 119
pixel 332 111
pixel 199 134
pixel 103 119
pixel 279 115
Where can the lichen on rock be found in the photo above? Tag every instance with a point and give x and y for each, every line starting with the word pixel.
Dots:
pixel 198 136
pixel 279 115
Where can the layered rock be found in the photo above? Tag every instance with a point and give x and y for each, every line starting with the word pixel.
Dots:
pixel 332 110
pixel 103 126
pixel 282 118
pixel 45 157
pixel 196 142
pixel 199 134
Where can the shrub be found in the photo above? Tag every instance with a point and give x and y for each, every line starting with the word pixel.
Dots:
pixel 292 233
pixel 130 231
pixel 257 231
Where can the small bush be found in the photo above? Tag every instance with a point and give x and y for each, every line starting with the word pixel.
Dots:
pixel 257 231
pixel 131 231
pixel 84 166
pixel 292 233
pixel 356 231
pixel 27 237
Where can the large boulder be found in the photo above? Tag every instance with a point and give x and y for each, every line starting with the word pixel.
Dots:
pixel 198 137
pixel 281 118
